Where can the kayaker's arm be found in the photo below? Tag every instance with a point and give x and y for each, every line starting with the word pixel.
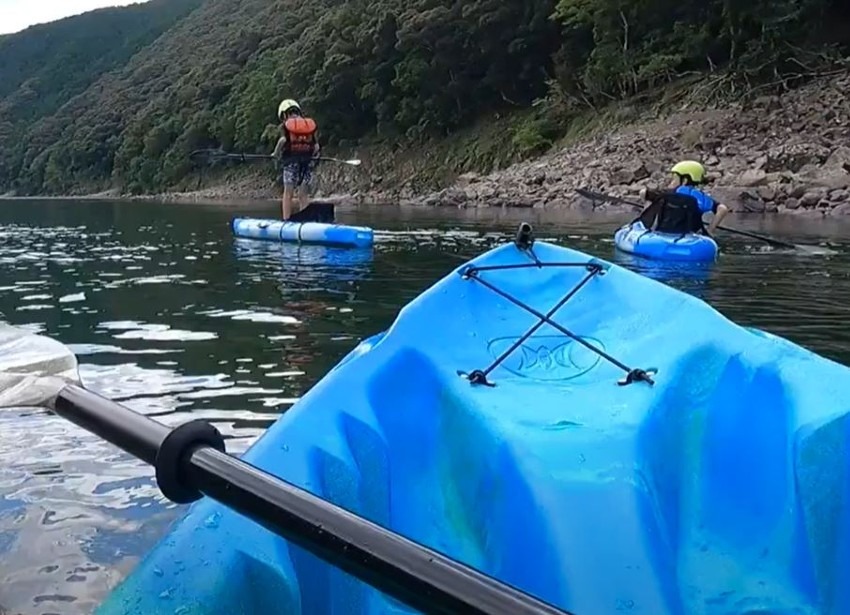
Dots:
pixel 278 148
pixel 719 213
pixel 653 197
pixel 650 194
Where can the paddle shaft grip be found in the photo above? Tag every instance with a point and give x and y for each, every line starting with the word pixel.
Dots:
pixel 126 429
pixel 407 571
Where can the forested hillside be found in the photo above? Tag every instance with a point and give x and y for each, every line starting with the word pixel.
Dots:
pixel 403 70
pixel 46 66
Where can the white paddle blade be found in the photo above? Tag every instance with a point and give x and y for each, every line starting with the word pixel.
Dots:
pixel 354 163
pixel 33 368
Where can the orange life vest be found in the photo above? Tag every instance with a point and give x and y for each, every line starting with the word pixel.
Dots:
pixel 302 135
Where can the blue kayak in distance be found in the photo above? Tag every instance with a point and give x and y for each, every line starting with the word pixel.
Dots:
pixel 303 232
pixel 636 239
pixel 636 453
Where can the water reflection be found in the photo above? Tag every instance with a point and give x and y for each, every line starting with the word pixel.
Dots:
pixel 692 278
pixel 304 268
pixel 167 322
pixel 72 510
pixel 172 316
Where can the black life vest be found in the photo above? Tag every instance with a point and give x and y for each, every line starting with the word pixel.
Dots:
pixel 671 212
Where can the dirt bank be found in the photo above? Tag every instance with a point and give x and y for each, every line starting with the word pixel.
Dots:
pixel 776 154
pixel 788 153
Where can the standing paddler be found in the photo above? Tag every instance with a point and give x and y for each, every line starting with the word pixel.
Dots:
pixel 294 154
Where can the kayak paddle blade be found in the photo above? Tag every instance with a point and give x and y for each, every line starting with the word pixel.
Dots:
pixel 33 368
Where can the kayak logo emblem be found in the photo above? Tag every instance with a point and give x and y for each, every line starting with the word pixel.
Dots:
pixel 551 357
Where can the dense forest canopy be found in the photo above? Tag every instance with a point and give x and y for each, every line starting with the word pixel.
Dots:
pixel 116 98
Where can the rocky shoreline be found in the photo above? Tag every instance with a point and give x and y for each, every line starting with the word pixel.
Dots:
pixel 776 154
pixel 786 154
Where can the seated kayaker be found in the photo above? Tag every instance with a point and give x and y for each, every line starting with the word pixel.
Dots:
pixel 680 209
pixel 294 152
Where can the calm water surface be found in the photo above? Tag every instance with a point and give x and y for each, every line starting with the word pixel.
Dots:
pixel 173 317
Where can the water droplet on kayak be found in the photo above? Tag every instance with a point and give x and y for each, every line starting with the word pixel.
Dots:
pixel 212 521
pixel 285 447
pixel 158 571
pixel 183 610
pixel 166 595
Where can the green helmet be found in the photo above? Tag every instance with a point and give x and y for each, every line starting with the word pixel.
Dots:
pixel 691 169
pixel 286 106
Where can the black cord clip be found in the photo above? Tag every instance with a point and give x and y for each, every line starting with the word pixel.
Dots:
pixel 476 377
pixel 638 375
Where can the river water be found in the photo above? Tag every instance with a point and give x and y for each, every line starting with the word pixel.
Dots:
pixel 171 315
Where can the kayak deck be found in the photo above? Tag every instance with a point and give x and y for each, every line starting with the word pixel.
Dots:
pixel 303 232
pixel 636 239
pixel 715 490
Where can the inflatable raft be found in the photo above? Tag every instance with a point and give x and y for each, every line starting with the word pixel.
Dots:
pixel 635 239
pixel 633 452
pixel 303 232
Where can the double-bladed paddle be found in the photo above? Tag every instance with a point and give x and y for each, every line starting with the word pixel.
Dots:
pixel 211 155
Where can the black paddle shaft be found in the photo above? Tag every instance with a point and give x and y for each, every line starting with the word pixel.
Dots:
pixel 407 571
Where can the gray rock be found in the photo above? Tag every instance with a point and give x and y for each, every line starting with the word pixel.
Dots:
pixel 811 198
pixel 467 179
pixel 835 180
pixel 485 190
pixel 556 204
pixel 808 171
pixel 839 158
pixel 767 103
pixel 842 209
pixel 752 177
pixel 767 193
pixel 653 167
pixel 796 157
pixel 738 199
pixel 537 179
pixel 839 196
pixel 792 203
pixel 629 174
pixel 798 191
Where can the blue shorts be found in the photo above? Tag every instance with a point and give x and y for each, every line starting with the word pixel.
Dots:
pixel 297 173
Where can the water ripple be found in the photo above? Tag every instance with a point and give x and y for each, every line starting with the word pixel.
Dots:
pixel 176 319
